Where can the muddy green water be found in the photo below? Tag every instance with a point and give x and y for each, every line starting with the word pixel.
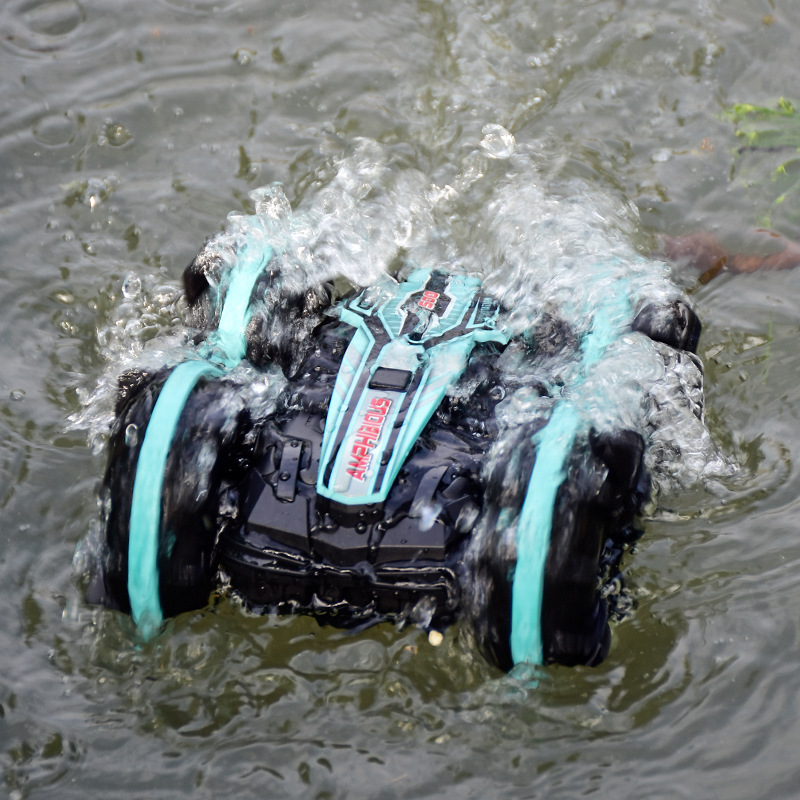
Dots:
pixel 127 132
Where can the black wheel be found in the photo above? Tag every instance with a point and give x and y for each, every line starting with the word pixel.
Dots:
pixel 604 488
pixel 674 324
pixel 208 449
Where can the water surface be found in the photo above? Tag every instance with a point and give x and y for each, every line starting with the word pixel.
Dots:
pixel 129 130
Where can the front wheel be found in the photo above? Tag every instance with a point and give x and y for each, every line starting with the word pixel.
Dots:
pixel 207 449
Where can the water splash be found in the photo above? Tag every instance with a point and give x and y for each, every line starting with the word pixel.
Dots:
pixel 554 253
pixel 550 251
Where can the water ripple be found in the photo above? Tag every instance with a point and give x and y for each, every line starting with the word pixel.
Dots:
pixel 41 26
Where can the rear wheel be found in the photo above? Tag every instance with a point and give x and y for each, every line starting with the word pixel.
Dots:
pixel 605 486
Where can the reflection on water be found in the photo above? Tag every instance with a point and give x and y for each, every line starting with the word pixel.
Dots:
pixel 129 132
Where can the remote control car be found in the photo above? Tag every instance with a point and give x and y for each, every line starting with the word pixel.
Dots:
pixel 379 476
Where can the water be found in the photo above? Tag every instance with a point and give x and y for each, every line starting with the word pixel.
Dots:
pixel 129 131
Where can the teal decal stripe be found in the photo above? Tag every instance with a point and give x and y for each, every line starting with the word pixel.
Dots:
pixel 229 338
pixel 462 292
pixel 145 520
pixel 553 445
pixel 224 349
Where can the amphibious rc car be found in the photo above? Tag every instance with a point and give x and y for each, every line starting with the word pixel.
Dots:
pixel 380 476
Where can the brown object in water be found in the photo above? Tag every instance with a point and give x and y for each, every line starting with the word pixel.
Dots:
pixel 703 251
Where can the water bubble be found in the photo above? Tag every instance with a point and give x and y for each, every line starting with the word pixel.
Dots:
pixel 16 394
pixel 244 57
pixel 54 130
pixel 92 192
pixel 497 141
pixel 115 134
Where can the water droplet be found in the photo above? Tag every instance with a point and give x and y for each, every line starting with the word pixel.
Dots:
pixel 539 60
pixel 435 638
pixel 131 435
pixel 131 237
pixel 497 141
pixel 271 202
pixel 16 394
pixel 131 286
